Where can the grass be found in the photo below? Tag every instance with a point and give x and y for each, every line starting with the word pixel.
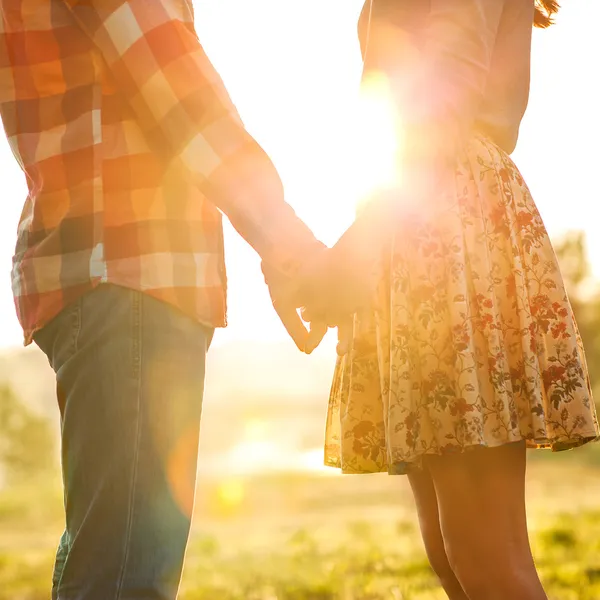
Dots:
pixel 568 551
pixel 309 537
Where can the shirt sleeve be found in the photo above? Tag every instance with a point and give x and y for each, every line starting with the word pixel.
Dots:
pixel 181 103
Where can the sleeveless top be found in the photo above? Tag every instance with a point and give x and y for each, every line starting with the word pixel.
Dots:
pixel 474 60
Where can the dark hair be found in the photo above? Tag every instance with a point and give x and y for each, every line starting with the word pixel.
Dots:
pixel 544 11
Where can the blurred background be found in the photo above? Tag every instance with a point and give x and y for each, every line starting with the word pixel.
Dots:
pixel 270 522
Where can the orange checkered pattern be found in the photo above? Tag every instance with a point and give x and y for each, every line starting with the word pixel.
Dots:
pixel 131 147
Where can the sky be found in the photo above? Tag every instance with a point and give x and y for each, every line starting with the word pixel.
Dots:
pixel 293 70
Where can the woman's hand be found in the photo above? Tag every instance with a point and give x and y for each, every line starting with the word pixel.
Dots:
pixel 318 329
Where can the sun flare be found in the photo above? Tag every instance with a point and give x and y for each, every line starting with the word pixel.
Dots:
pixel 374 157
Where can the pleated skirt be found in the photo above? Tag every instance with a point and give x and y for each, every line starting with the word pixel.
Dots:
pixel 471 340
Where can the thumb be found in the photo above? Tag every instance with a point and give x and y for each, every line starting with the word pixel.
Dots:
pixel 345 334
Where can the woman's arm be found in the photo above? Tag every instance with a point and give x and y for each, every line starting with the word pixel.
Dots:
pixel 438 73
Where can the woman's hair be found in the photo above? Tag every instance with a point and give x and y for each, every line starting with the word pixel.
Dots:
pixel 544 11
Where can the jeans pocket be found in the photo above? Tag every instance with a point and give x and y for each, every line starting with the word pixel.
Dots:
pixel 58 338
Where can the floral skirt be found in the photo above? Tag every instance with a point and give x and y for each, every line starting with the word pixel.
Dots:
pixel 471 340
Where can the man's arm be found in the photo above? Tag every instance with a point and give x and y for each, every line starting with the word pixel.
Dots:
pixel 181 103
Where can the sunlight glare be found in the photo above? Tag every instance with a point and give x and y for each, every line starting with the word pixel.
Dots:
pixel 255 429
pixel 253 455
pixel 255 451
pixel 374 157
pixel 231 493
pixel 312 462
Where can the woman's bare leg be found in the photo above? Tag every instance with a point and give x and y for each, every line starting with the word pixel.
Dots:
pixel 481 504
pixel 429 521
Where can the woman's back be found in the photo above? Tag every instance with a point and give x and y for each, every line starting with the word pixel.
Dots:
pixel 507 89
pixel 499 90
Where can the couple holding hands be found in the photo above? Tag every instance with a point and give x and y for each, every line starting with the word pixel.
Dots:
pixel 458 348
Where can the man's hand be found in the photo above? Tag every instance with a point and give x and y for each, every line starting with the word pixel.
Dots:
pixel 284 296
pixel 330 289
pixel 286 299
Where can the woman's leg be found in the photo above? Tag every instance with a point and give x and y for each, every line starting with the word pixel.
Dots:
pixel 429 521
pixel 481 503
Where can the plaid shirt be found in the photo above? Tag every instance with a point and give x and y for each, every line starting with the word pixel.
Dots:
pixel 131 147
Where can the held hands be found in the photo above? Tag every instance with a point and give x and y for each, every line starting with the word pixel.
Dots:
pixel 286 298
pixel 329 292
pixel 318 329
pixel 335 284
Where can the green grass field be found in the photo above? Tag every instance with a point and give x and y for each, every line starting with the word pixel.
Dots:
pixel 315 537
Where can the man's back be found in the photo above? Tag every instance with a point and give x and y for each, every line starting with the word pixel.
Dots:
pixel 103 205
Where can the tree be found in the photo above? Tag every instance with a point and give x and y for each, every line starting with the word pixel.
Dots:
pixel 26 440
pixel 584 295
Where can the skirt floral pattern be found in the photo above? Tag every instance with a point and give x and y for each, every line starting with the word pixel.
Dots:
pixel 472 339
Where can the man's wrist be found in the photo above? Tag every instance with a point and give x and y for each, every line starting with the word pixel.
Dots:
pixel 303 260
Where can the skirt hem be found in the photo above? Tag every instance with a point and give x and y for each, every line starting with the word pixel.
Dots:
pixel 405 467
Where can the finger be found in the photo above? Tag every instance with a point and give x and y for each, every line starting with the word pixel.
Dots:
pixel 317 332
pixel 345 335
pixel 293 324
pixel 310 315
pixel 307 315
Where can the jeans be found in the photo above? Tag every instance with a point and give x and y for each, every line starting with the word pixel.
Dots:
pixel 130 381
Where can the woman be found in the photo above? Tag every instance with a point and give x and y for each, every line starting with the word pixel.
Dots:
pixel 469 353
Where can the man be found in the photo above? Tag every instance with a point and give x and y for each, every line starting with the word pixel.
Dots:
pixel 131 147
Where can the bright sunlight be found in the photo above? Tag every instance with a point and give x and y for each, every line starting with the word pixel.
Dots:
pixel 374 157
